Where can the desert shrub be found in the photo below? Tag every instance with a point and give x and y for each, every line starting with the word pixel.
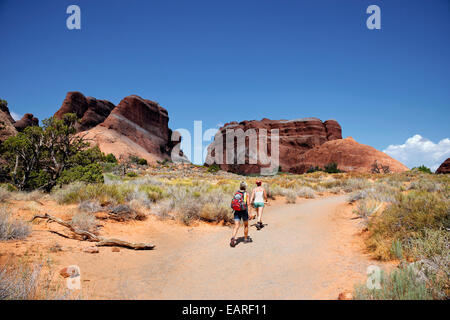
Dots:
pixel 131 174
pixel 332 168
pixel 423 169
pixel 188 210
pixel 432 253
pixel 25 281
pixel 137 160
pixel 313 169
pixel 92 173
pixel 397 249
pixel 27 196
pixel 84 221
pixel 356 184
pixel 407 218
pixel 110 158
pixel 425 185
pixel 358 195
pixel 4 194
pixel 90 206
pixel 163 209
pixel 211 212
pixel 366 208
pixel 125 212
pixel 306 192
pixel 78 192
pixel 291 196
pixel 10 228
pixel 8 187
pixel 142 162
pixel 153 193
pixel 16 284
pixel 400 284
pixel 213 168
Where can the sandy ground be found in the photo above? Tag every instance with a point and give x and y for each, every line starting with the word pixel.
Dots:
pixel 309 250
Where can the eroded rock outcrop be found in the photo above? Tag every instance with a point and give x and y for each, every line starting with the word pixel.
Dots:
pixel 135 126
pixel 6 122
pixel 28 120
pixel 89 110
pixel 444 167
pixel 295 138
pixel 349 156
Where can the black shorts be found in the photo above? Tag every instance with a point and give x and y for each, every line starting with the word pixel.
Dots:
pixel 243 214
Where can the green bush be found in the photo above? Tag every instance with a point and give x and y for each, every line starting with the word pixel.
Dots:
pixel 213 168
pixel 423 169
pixel 110 158
pixel 39 156
pixel 91 173
pixel 314 169
pixel 400 284
pixel 132 174
pixel 332 168
pixel 142 162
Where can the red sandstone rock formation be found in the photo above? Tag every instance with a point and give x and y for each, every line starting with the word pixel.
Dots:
pixel 135 127
pixel 296 137
pixel 6 122
pixel 90 111
pixel 444 167
pixel 28 120
pixel 349 156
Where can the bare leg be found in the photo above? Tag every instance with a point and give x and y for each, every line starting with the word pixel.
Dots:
pixel 245 229
pixel 260 211
pixel 236 228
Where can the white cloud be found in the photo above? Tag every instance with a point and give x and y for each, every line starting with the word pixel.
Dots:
pixel 15 116
pixel 418 150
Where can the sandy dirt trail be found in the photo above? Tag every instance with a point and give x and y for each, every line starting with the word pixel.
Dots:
pixel 308 250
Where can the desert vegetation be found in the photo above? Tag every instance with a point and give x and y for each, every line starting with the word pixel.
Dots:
pixel 407 218
pixel 404 216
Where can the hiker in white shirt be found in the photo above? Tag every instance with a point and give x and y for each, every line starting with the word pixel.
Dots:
pixel 258 199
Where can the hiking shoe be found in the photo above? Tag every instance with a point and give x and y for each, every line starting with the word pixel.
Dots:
pixel 233 242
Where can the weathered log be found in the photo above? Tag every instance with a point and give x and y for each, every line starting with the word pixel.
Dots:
pixel 101 241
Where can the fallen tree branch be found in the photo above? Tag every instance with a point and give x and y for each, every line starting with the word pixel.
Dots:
pixel 101 241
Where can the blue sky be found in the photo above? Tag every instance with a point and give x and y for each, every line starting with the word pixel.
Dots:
pixel 219 61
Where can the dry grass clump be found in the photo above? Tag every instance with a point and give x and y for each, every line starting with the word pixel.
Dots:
pixel 365 208
pixel 414 226
pixel 25 281
pixel 10 228
pixel 211 207
pixel 291 196
pixel 306 192
pixel 125 212
pixel 91 206
pixel 84 221
pixel 407 218
pixel 78 192
pixel 401 284
pixel 425 185
pixel 4 194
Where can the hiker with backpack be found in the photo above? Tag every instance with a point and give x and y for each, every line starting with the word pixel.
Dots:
pixel 258 199
pixel 240 205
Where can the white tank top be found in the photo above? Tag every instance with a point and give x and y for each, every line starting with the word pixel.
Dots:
pixel 259 196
